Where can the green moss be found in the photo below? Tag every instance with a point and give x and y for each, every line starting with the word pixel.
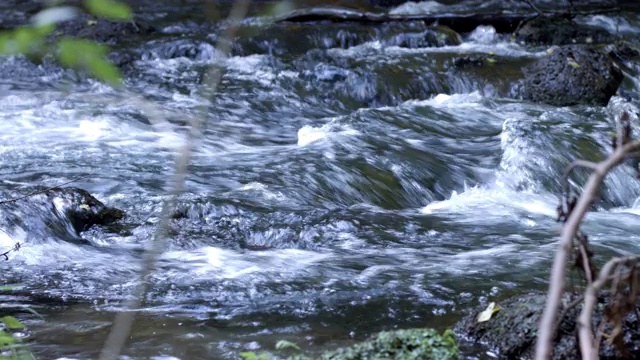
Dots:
pixel 401 344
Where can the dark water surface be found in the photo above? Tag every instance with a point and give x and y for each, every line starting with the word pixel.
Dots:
pixel 346 183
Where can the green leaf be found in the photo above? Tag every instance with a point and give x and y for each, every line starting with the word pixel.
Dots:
pixel 249 355
pixel 8 287
pixel 12 323
pixel 89 56
pixel 22 352
pixel 284 344
pixel 6 339
pixel 109 9
pixel 574 64
pixel 24 40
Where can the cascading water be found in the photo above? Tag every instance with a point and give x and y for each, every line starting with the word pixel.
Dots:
pixel 326 200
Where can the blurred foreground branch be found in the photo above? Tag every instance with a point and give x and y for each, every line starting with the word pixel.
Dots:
pixel 124 320
pixel 588 344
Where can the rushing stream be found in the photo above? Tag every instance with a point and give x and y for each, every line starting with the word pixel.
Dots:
pixel 349 180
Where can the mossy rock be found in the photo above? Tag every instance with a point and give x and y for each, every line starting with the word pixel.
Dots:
pixel 511 333
pixel 571 75
pixel 409 344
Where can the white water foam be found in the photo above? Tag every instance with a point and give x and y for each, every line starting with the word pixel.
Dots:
pixel 495 201
pixel 417 8
pixel 615 25
pixel 483 34
pixel 216 263
pixel 309 134
pixel 375 50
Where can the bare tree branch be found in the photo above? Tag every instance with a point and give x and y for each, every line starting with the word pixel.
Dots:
pixel 588 347
pixel 575 164
pixel 569 231
pixel 124 320
pixel 585 263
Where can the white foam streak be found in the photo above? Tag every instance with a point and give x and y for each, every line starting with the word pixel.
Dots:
pixel 375 50
pixel 216 263
pixel 309 134
pixel 494 201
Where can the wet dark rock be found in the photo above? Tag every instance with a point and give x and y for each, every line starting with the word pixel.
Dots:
pixel 61 213
pixel 387 3
pixel 82 209
pixel 431 37
pixel 512 331
pixel 14 13
pixel 571 75
pixel 182 48
pixel 102 30
pixel 290 40
pixel 622 52
pixel 490 74
pixel 560 31
pixel 472 61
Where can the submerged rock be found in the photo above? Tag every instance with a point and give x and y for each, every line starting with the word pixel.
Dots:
pixel 102 30
pixel 512 331
pixel 560 31
pixel 82 209
pixel 410 344
pixel 571 75
pixel 62 213
pixel 436 36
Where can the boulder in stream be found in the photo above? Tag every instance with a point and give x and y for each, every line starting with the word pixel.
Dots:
pixel 571 75
pixel 82 209
pixel 512 331
pixel 62 213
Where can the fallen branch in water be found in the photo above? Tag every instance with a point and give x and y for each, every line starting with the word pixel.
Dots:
pixel 15 247
pixel 42 191
pixel 574 214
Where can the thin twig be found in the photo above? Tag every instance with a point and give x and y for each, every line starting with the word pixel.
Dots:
pixel 533 6
pixel 569 231
pixel 124 320
pixel 15 247
pixel 587 346
pixel 586 263
pixel 598 341
pixel 575 164
pixel 42 191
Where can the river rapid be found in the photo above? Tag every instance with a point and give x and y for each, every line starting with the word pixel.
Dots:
pixel 348 180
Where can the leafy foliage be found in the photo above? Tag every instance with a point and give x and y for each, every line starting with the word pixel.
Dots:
pixel 87 55
pixel 79 54
pixel 27 40
pixel 109 9
pixel 12 323
pixel 250 355
pixel 410 344
pixel 11 347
